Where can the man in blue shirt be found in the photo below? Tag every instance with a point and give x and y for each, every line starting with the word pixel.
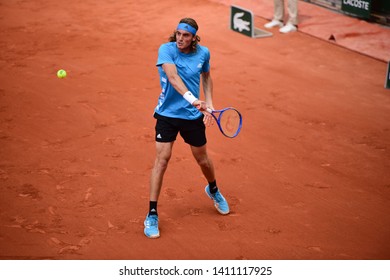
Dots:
pixel 182 63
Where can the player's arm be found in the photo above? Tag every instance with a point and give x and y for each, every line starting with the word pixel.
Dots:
pixel 207 83
pixel 174 78
pixel 178 84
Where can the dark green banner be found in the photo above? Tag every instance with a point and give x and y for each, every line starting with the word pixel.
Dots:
pixel 241 21
pixel 359 8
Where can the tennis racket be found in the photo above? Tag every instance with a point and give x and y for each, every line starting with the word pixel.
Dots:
pixel 229 121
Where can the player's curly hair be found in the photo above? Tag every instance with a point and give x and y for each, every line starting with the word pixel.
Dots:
pixel 193 23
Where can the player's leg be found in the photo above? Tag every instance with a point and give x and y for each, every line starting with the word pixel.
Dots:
pixel 163 155
pixel 166 133
pixel 205 163
pixel 207 167
pixel 194 134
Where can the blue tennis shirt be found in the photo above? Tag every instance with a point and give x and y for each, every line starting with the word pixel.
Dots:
pixel 189 67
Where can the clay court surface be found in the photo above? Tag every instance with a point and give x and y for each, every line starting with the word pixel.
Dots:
pixel 307 178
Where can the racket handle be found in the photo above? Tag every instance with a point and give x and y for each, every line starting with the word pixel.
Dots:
pixel 209 110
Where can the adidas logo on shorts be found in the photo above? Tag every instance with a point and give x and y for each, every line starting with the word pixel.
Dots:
pixel 159 136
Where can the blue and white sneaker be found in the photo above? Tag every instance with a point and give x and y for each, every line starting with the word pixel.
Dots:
pixel 220 202
pixel 151 226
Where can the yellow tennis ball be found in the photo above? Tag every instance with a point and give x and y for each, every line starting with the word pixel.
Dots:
pixel 61 73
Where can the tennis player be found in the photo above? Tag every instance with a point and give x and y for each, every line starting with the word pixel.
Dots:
pixel 181 63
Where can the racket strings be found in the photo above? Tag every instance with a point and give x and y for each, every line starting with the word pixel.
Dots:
pixel 230 122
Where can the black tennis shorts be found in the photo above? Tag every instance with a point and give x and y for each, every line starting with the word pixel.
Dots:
pixel 192 131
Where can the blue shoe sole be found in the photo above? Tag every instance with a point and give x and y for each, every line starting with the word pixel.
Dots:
pixel 152 236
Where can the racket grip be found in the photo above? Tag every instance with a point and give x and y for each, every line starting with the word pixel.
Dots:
pixel 209 110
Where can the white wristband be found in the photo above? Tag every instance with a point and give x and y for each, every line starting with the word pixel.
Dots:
pixel 189 97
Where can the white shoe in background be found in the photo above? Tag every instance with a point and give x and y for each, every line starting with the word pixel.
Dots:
pixel 288 28
pixel 273 23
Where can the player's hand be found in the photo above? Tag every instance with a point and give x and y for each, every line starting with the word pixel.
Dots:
pixel 200 105
pixel 208 119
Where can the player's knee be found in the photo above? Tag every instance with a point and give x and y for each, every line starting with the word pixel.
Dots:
pixel 204 162
pixel 161 164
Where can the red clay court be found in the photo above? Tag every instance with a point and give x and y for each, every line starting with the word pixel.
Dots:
pixel 307 178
